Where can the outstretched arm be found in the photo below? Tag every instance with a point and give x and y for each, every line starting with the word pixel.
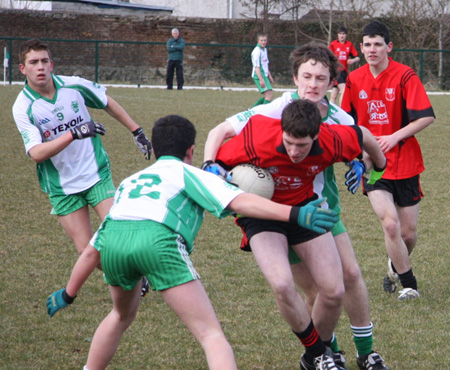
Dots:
pixel 85 265
pixel 309 216
pixel 115 110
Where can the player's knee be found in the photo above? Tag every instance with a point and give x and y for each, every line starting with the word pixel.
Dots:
pixel 283 289
pixel 333 296
pixel 352 275
pixel 410 238
pixel 391 227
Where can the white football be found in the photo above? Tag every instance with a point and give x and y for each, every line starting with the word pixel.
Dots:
pixel 253 179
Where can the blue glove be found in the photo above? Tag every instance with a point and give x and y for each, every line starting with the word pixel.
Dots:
pixel 142 142
pixel 354 175
pixel 216 169
pixel 58 300
pixel 88 129
pixel 314 218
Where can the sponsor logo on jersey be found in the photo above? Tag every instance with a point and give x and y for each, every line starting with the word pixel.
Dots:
pixel 47 134
pixel 377 112
pixel 363 95
pixel 288 182
pixel 43 121
pixel 67 126
pixel 313 170
pixel 390 93
pixel 75 106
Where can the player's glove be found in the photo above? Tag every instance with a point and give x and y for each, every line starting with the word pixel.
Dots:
pixel 142 142
pixel 88 129
pixel 314 218
pixel 354 175
pixel 58 300
pixel 376 174
pixel 216 169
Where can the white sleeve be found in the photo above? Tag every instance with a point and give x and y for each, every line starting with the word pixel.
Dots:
pixel 271 110
pixel 31 135
pixel 256 57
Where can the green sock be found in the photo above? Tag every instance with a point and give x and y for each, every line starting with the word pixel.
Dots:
pixel 363 338
pixel 334 344
pixel 259 102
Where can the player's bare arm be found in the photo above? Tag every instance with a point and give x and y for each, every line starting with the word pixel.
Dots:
pixel 261 79
pixel 85 265
pixel 251 205
pixel 115 110
pixel 216 138
pixel 41 152
pixel 372 148
pixel 390 141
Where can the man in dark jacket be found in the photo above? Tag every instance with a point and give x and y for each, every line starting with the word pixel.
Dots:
pixel 175 47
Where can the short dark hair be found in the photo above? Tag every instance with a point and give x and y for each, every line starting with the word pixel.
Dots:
pixel 318 52
pixel 33 44
pixel 260 34
pixel 172 135
pixel 377 28
pixel 301 118
pixel 342 29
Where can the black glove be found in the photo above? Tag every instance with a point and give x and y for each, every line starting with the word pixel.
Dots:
pixel 88 129
pixel 142 142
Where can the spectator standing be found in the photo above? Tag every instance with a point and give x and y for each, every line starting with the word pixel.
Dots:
pixel 175 47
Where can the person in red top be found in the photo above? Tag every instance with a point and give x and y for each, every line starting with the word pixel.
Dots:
pixel 295 149
pixel 347 55
pixel 389 99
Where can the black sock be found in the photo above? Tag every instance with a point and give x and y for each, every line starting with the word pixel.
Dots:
pixel 314 346
pixel 393 268
pixel 408 279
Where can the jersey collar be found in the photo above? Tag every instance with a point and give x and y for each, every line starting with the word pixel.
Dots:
pixel 34 95
pixel 168 157
pixel 330 111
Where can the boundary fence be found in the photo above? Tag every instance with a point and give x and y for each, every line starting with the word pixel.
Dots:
pixel 137 62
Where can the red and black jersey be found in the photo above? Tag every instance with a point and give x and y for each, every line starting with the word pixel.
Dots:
pixel 384 105
pixel 261 144
pixel 343 51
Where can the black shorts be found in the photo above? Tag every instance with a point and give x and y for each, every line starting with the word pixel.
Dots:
pixel 406 192
pixel 342 77
pixel 295 234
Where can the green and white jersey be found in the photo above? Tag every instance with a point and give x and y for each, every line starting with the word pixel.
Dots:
pixel 325 182
pixel 84 162
pixel 175 194
pixel 260 58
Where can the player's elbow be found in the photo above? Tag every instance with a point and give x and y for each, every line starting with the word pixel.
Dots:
pixel 36 155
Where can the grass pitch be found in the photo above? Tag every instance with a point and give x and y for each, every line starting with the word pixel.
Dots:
pixel 36 258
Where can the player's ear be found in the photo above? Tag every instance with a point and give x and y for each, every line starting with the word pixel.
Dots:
pixel 189 154
pixel 390 46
